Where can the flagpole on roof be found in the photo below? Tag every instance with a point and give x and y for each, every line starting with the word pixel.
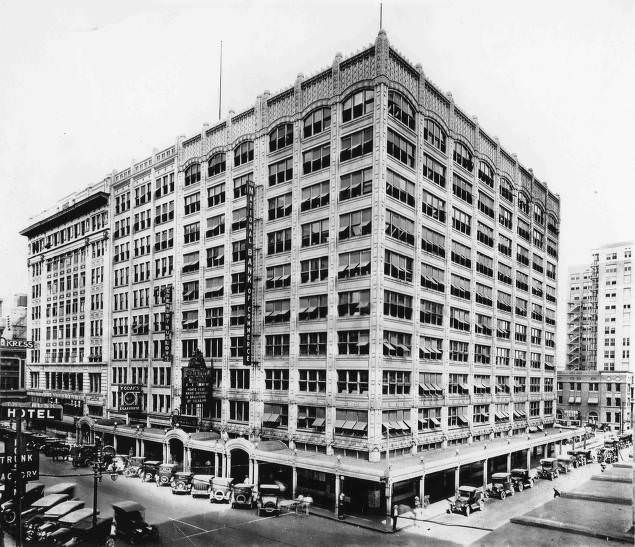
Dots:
pixel 220 81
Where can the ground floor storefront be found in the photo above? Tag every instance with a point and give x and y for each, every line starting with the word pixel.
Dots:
pixel 334 482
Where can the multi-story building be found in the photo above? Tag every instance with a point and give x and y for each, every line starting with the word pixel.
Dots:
pixel 69 275
pixel 598 341
pixel 403 288
pixel 13 348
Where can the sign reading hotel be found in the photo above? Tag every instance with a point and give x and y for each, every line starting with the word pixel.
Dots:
pixel 167 324
pixel 30 411
pixel 130 398
pixel 249 275
pixel 17 344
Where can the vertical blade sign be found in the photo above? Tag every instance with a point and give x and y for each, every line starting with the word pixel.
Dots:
pixel 249 275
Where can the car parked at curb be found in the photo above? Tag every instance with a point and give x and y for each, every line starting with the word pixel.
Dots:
pixel 566 463
pixel 165 473
pixel 522 478
pixel 221 489
pixel 243 495
pixel 466 500
pixel 201 485
pixel 548 469
pixel 131 524
pixel 269 498
pixel 502 485
pixel 182 483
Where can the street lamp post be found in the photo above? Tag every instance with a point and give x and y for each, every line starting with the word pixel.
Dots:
pixel 96 476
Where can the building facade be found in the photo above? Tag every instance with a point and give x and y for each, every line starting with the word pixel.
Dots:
pixel 404 279
pixel 13 348
pixel 69 275
pixel 599 329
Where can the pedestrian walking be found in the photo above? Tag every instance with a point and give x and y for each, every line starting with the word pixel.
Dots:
pixel 395 516
pixel 418 511
pixel 340 506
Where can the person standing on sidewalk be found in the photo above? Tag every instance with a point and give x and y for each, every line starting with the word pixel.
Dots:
pixel 418 511
pixel 395 516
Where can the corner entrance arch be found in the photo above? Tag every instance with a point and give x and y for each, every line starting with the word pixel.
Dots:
pixel 175 452
pixel 239 465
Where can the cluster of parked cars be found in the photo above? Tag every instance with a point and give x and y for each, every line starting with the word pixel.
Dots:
pixel 52 516
pixel 265 497
pixel 471 498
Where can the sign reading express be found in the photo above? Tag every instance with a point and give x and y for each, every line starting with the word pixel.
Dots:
pixel 249 275
pixel 197 383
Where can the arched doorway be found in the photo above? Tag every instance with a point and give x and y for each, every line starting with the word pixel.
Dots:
pixel 239 469
pixel 175 452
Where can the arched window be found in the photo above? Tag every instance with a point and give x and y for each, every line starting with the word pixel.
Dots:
pixel 433 133
pixel 358 104
pixel 539 215
pixel 281 137
pixel 317 121
pixel 192 174
pixel 507 190
pixel 523 203
pixel 462 156
pixel 486 174
pixel 244 153
pixel 401 109
pixel 216 164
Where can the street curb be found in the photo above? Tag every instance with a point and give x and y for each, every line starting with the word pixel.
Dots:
pixel 352 523
pixel 572 528
pixel 604 478
pixel 593 497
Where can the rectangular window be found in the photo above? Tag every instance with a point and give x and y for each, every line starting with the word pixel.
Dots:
pixel 239 378
pixel 401 149
pixel 281 172
pixel 400 188
pixel 315 233
pixel 280 206
pixel 316 159
pixel 483 325
pixel 356 184
pixel 397 305
pixel 276 345
pixel 277 379
pixel 316 195
pixel 354 303
pixel 433 170
pixel 239 250
pixel 504 245
pixel 240 185
pixel 431 313
pixel 354 264
pixel 215 226
pixel 356 144
pixel 277 311
pixel 191 232
pixel 214 287
pixel 353 342
pixel 430 348
pixel 239 411
pixel 432 242
pixel 216 195
pixel 314 269
pixel 461 255
pixel 238 283
pixel 313 307
pixel 460 287
pixel 432 278
pixel 462 189
pixel 484 295
pixel 433 206
pixel 400 228
pixel 502 357
pixel 312 381
pixel 486 204
pixel 461 221
pixel 312 344
pixel 352 381
pixel 484 265
pixel 279 241
pixel 395 382
pixel 460 319
pixel 356 223
pixel 459 351
pixel 398 266
pixel 278 276
pixel 397 344
pixel 504 301
pixel 215 256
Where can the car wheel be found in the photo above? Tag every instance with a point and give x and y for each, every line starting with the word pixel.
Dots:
pixel 468 510
pixel 503 494
pixel 10 516
pixel 520 486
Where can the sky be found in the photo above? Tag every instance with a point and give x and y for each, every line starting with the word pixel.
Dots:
pixel 87 86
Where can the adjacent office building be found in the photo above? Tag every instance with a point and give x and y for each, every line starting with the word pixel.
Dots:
pixel 403 294
pixel 595 387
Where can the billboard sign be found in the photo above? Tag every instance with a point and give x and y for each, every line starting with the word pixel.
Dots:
pixel 197 385
pixel 130 398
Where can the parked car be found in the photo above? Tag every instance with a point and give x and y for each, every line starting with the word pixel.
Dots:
pixel 466 500
pixel 9 509
pixel 522 478
pixel 548 469
pixel 61 488
pixel 131 524
pixel 118 464
pixel 83 455
pixel 201 485
pixel 566 463
pixel 182 483
pixel 243 495
pixel 77 528
pixel 41 526
pixel 606 455
pixel 502 485
pixel 38 507
pixel 588 455
pixel 165 474
pixel 579 459
pixel 49 446
pixel 134 466
pixel 221 489
pixel 269 498
pixel 149 470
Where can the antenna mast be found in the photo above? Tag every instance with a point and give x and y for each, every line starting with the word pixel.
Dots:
pixel 381 15
pixel 220 81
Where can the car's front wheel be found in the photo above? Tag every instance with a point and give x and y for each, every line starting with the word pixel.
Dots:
pixel 468 510
pixel 503 494
pixel 520 486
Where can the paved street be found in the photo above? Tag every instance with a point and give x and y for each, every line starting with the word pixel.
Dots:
pixel 187 521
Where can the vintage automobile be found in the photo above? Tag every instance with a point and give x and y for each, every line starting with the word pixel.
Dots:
pixel 49 446
pixel 522 478
pixel 165 474
pixel 586 455
pixel 625 439
pixel 579 456
pixel 201 485
pixel 182 483
pixel 40 506
pixel 134 466
pixel 9 509
pixel 466 500
pixel 131 524
pixel 605 455
pixel 83 455
pixel 118 464
pixel 77 528
pixel 41 526
pixel 548 469
pixel 149 470
pixel 221 489
pixel 501 485
pixel 243 495
pixel 67 488
pixel 566 463
pixel 269 498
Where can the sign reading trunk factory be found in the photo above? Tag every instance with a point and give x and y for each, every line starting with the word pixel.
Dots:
pixel 130 398
pixel 249 275
pixel 29 466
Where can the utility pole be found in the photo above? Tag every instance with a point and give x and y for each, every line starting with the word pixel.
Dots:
pixel 17 449
pixel 96 476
